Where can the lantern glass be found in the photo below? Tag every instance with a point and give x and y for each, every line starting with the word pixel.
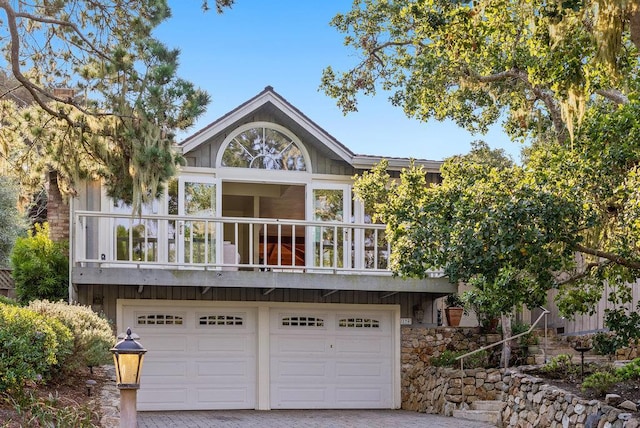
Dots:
pixel 128 368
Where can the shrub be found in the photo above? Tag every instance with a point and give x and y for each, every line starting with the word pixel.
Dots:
pixel 92 334
pixel 446 358
pixel 29 346
pixel 600 382
pixel 629 371
pixel 605 344
pixel 8 301
pixel 40 267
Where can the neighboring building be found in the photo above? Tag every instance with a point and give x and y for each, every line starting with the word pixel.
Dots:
pixel 257 282
pixel 7 287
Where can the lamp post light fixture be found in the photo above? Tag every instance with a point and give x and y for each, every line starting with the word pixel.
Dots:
pixel 127 357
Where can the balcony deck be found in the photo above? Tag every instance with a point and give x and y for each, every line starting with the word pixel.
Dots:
pixel 253 252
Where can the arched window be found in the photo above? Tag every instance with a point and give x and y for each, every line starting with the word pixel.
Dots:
pixel 264 147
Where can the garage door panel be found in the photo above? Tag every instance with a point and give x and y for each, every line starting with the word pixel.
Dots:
pixel 223 369
pixel 299 344
pixel 361 370
pixel 224 397
pixel 220 345
pixel 301 397
pixel 148 396
pixel 359 346
pixel 360 397
pixel 299 369
pixel 165 344
pixel 163 369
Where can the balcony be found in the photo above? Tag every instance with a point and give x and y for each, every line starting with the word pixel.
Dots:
pixel 191 250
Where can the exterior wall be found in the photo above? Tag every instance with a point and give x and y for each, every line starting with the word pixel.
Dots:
pixel 102 298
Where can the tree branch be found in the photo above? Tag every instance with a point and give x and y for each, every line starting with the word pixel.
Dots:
pixel 609 256
pixel 613 95
pixel 587 270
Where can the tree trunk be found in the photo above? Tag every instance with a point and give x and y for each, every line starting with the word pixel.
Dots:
pixel 506 346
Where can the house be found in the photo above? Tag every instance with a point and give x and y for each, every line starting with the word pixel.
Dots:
pixel 257 281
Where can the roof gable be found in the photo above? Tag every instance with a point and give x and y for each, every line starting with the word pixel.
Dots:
pixel 269 96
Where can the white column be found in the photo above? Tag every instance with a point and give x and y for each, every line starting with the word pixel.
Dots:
pixel 263 360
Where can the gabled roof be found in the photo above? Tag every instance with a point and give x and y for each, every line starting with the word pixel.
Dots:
pixel 268 95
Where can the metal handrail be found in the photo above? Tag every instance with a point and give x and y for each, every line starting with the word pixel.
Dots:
pixel 544 314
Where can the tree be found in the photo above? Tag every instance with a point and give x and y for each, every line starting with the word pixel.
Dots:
pixel 537 63
pixel 487 224
pixel 562 75
pixel 40 267
pixel 107 99
pixel 12 223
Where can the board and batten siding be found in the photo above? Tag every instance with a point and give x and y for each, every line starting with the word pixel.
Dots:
pixel 583 324
pixel 103 297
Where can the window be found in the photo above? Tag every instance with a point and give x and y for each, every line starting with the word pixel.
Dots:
pixel 159 319
pixel 220 320
pixel 301 321
pixel 359 323
pixel 263 147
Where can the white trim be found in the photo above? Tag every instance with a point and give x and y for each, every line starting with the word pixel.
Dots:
pixel 263 124
pixel 263 318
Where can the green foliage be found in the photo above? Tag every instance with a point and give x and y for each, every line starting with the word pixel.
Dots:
pixel 600 382
pixel 566 80
pixel 40 267
pixel 30 346
pixel 125 133
pixel 8 301
pixel 561 366
pixel 92 334
pixel 12 223
pixel 630 371
pixel 605 344
pixel 51 411
pixel 447 358
pixel 454 300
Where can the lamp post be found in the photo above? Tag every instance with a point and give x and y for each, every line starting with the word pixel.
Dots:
pixel 127 357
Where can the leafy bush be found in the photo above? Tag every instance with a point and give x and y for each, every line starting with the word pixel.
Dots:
pixel 40 267
pixel 8 301
pixel 29 346
pixel 561 366
pixel 52 411
pixel 629 371
pixel 446 358
pixel 605 344
pixel 600 382
pixel 92 334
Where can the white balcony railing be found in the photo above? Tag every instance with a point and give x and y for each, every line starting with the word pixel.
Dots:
pixel 238 243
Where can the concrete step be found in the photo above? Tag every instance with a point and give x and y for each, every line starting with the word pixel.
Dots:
pixel 493 405
pixel 488 416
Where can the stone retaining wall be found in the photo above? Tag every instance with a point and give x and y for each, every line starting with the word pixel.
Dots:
pixel 530 402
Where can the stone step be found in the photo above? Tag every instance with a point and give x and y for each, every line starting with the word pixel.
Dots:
pixel 489 416
pixel 493 405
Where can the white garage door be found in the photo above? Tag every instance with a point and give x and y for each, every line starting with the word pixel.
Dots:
pixel 198 357
pixel 331 359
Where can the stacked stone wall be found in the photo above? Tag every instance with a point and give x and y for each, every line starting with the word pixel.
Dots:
pixel 530 401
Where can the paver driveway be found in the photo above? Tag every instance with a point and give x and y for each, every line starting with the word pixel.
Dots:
pixel 301 418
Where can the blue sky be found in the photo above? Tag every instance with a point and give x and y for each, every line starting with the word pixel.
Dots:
pixel 286 44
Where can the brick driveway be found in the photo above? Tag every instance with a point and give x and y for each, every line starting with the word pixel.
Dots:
pixel 301 418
